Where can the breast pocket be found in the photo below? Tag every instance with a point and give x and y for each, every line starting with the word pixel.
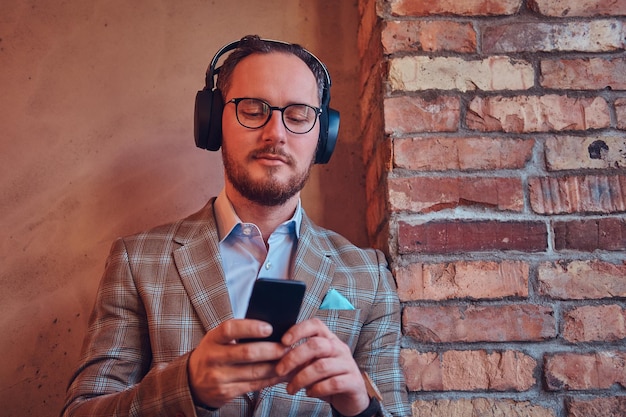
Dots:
pixel 346 324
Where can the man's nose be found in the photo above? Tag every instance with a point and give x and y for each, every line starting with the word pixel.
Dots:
pixel 275 128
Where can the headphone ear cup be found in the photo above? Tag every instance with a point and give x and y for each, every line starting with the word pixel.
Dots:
pixel 202 117
pixel 215 128
pixel 208 119
pixel 329 129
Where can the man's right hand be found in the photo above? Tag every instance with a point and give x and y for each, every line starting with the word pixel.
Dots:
pixel 221 369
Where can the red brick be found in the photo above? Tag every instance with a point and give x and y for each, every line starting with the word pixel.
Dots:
pixel 589 36
pixel 620 112
pixel 583 8
pixel 422 370
pixel 476 280
pixel 468 236
pixel 606 233
pixel 585 371
pixel 463 8
pixel 584 194
pixel 468 153
pixel 435 36
pixel 549 113
pixel 605 323
pixel 483 407
pixel 584 74
pixel 469 370
pixel 493 73
pixel 580 280
pixel 597 407
pixel 507 323
pixel 428 194
pixel 591 151
pixel 480 370
pixel 418 114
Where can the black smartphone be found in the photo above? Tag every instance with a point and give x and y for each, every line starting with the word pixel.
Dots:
pixel 276 301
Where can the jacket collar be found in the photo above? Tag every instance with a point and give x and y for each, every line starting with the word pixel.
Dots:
pixel 226 217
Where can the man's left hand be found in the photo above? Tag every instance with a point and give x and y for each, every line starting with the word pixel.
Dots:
pixel 323 365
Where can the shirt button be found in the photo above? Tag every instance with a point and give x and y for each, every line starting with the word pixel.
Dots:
pixel 268 266
pixel 247 230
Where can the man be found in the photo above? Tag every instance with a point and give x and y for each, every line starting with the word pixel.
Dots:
pixel 163 336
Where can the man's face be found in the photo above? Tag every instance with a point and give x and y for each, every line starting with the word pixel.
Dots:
pixel 269 165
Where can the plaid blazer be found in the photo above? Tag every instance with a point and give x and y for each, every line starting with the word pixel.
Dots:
pixel 162 290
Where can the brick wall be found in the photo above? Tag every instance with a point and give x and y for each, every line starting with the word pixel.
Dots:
pixel 494 135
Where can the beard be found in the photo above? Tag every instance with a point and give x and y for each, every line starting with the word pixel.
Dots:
pixel 268 191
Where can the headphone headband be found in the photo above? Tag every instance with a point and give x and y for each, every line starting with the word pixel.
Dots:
pixel 212 71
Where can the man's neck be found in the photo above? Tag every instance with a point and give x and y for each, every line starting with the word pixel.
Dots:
pixel 266 218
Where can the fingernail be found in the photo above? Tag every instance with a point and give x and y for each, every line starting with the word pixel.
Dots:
pixel 266 329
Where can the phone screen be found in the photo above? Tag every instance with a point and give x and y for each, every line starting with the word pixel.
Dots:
pixel 276 301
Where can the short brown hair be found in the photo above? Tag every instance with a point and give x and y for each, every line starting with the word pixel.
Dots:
pixel 253 44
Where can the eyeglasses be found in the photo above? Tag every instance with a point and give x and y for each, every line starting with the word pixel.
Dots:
pixel 254 113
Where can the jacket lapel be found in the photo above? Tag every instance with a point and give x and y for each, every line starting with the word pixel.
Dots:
pixel 312 266
pixel 200 268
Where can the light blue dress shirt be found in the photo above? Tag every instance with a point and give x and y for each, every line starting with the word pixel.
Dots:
pixel 245 257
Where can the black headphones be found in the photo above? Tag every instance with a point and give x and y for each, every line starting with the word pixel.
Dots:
pixel 209 107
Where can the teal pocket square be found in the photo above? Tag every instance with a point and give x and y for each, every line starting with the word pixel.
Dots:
pixel 335 301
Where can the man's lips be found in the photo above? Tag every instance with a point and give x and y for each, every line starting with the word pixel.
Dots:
pixel 271 157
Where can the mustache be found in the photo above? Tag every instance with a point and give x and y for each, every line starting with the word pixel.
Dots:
pixel 273 151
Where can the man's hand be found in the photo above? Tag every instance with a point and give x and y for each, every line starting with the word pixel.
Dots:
pixel 221 369
pixel 323 365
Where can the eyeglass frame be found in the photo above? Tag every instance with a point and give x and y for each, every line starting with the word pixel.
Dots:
pixel 237 100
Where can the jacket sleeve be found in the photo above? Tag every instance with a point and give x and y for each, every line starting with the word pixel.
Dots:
pixel 378 347
pixel 115 376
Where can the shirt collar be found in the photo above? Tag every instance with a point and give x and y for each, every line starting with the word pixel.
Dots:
pixel 227 219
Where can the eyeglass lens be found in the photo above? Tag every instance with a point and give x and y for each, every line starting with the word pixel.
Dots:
pixel 254 113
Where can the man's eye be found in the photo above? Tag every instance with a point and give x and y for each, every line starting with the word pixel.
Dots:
pixel 251 113
pixel 299 114
pixel 296 118
pixel 252 110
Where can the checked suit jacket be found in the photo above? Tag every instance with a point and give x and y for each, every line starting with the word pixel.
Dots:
pixel 162 290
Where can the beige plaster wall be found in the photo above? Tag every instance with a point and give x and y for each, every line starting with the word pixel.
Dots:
pixel 96 110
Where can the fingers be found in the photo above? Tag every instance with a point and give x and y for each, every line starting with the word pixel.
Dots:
pixel 221 369
pixel 311 349
pixel 323 365
pixel 307 328
pixel 317 342
pixel 217 394
pixel 318 359
pixel 329 387
pixel 233 330
pixel 219 350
